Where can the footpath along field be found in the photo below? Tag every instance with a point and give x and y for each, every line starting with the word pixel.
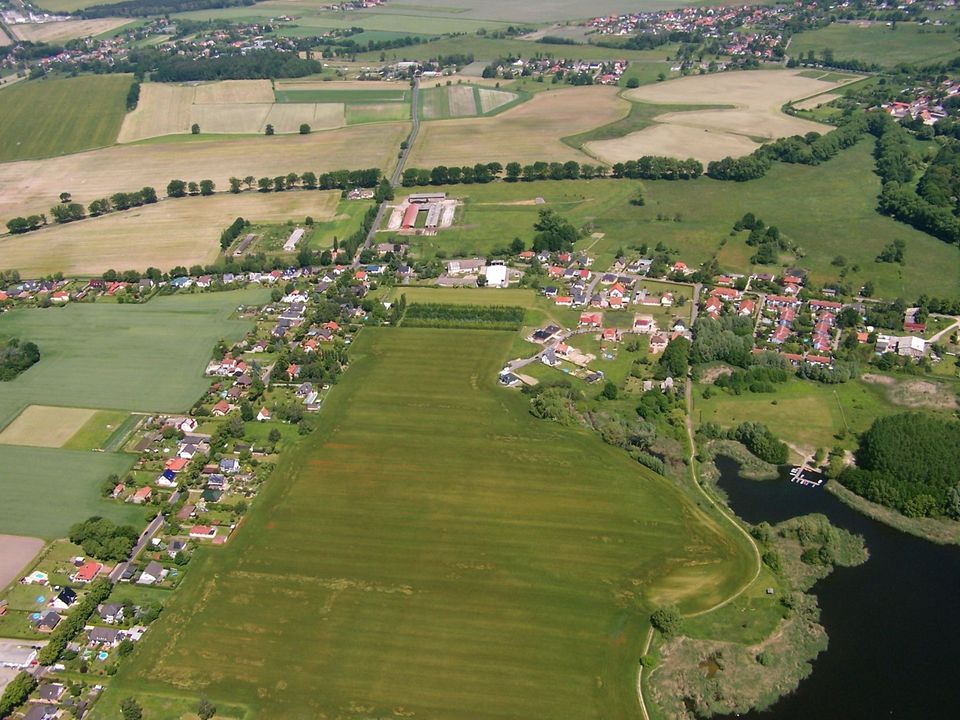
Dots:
pixel 432 550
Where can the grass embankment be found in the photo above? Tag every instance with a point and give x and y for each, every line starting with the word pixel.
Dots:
pixel 434 547
pixel 46 118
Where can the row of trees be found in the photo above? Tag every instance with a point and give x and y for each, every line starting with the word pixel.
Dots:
pixel 15 357
pixel 333 180
pixel 233 232
pixel 146 8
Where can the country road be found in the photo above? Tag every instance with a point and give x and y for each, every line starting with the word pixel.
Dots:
pixel 415 117
pixel 145 538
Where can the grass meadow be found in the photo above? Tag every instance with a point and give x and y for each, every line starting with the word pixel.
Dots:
pixel 135 357
pixel 46 490
pixel 434 551
pixel 827 210
pixel 46 118
pixel 876 42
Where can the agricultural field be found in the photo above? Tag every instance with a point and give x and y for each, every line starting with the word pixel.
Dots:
pixel 47 118
pixel 105 430
pixel 454 101
pixel 59 32
pixel 875 42
pixel 16 552
pixel 230 106
pixel 183 231
pixel 837 202
pixel 525 133
pixel 509 569
pixel 137 357
pixel 711 134
pixel 44 426
pixel 32 186
pixel 46 490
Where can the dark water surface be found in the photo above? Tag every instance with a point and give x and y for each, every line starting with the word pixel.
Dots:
pixel 893 622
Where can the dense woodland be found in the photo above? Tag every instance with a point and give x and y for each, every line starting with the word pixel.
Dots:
pixel 15 357
pixel 909 462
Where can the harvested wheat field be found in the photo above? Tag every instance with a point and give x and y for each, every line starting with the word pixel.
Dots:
pixel 490 100
pixel 244 118
pixel 287 117
pixel 228 92
pixel 757 97
pixel 45 426
pixel 184 231
pixel 25 187
pixel 462 101
pixel 163 109
pixel 282 85
pixel 54 32
pixel 672 141
pixel 525 133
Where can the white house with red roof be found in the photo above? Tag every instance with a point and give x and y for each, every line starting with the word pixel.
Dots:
pixel 87 572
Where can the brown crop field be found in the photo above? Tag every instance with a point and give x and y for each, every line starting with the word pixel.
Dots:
pixel 712 134
pixel 16 552
pixel 526 133
pixel 492 99
pixel 32 185
pixel 234 91
pixel 55 32
pixel 184 231
pixel 164 109
pixel 45 426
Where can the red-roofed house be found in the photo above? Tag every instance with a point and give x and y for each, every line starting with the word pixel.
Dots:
pixel 563 300
pixel 747 307
pixel 825 305
pixel 589 319
pixel 203 532
pixel 176 464
pixel 221 408
pixel 611 334
pixel 712 307
pixel 87 572
pixel 141 496
pixel 725 293
pixel 263 415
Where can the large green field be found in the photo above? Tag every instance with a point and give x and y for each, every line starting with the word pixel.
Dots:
pixel 46 490
pixel 878 43
pixel 827 210
pixel 433 550
pixel 45 118
pixel 135 357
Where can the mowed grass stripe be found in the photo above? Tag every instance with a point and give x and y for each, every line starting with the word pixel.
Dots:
pixel 435 548
pixel 40 119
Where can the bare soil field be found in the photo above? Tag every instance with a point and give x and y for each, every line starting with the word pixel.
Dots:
pixel 16 552
pixel 462 101
pixel 524 134
pixel 757 95
pixel 184 231
pixel 492 99
pixel 163 109
pixel 53 32
pixel 672 141
pixel 32 185
pixel 44 426
pixel 228 92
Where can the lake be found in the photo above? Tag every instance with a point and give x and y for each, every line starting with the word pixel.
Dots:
pixel 893 622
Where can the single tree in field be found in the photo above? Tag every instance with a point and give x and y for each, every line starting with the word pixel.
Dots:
pixel 249 181
pixel 207 187
pixel 194 129
pixel 268 130
pixel 292 179
pixel 193 188
pixel 235 185
pixel 206 709
pixel 65 197
pixel 279 183
pixel 176 188
pixel 130 709
pixel 264 184
pixel 304 129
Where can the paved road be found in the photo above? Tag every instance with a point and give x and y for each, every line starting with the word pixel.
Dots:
pixel 415 117
pixel 145 538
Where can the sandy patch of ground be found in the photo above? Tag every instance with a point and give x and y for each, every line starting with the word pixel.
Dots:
pixel 53 32
pixel 492 99
pixel 672 141
pixel 916 393
pixel 25 187
pixel 163 109
pixel 525 133
pixel 757 95
pixel 44 426
pixel 227 92
pixel 816 101
pixel 16 552
pixel 184 231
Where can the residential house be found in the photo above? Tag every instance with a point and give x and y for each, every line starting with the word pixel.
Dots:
pixel 611 334
pixel 110 612
pixel 591 319
pixel 51 692
pixel 141 496
pixel 221 408
pixel 263 415
pixel 105 637
pixel 644 324
pixel 203 532
pixel 41 711
pixel 65 599
pixel 87 572
pixel 658 343
pixel 229 466
pixel 152 574
pixel 47 623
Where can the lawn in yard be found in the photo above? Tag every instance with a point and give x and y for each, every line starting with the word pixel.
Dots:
pixel 433 549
